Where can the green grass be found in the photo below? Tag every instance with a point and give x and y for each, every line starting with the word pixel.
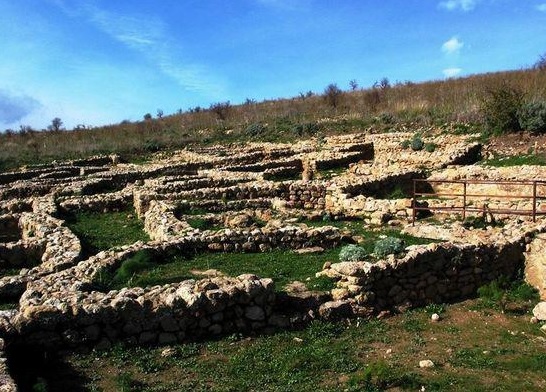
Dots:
pixel 517 160
pixel 280 265
pixel 331 173
pixel 283 266
pixel 9 271
pixel 508 296
pixel 7 304
pixel 203 224
pixel 469 349
pixel 369 235
pixel 101 231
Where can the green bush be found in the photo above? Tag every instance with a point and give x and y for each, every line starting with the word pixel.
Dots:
pixel 500 109
pixel 405 144
pixel 140 261
pixel 387 118
pixel 532 116
pixel 255 129
pixel 417 143
pixel 221 109
pixel 397 193
pixel 151 145
pixel 477 222
pixel 387 246
pixel 430 147
pixel 306 129
pixel 352 253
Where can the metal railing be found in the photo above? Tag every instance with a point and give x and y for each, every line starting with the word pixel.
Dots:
pixel 466 207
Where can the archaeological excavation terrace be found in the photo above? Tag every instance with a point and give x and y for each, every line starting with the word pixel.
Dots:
pixel 312 197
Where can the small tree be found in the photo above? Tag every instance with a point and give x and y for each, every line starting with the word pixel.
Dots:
pixel 147 117
pixel 541 62
pixel 384 84
pixel 159 113
pixel 500 109
pixel 333 94
pixel 532 116
pixel 56 125
pixel 221 109
pixel 353 84
pixel 24 129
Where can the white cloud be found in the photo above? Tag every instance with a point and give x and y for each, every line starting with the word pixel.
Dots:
pixel 452 46
pixel 541 7
pixel 463 5
pixel 14 107
pixel 451 72
pixel 149 36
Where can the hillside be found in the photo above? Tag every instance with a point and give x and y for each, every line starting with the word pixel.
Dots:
pixel 453 105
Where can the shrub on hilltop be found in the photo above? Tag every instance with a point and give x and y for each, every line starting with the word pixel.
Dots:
pixel 500 109
pixel 532 116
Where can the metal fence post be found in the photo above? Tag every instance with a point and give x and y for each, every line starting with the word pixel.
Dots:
pixel 464 200
pixel 414 203
pixel 534 201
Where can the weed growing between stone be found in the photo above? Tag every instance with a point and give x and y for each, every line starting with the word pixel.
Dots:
pixel 508 296
pixel 8 304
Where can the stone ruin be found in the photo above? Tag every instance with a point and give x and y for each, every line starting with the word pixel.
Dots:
pixel 345 177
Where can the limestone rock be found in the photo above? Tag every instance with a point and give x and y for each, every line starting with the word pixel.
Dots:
pixel 335 310
pixel 426 364
pixel 539 311
pixel 255 313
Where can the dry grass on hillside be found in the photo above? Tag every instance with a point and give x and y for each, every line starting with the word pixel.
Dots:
pixel 381 108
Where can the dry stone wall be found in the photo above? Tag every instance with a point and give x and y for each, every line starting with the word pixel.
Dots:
pixel 434 273
pixel 62 301
pixel 46 246
pixel 6 382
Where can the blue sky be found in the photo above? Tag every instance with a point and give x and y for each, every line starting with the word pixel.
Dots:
pixel 98 62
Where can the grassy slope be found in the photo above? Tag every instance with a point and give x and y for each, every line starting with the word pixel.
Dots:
pixel 436 102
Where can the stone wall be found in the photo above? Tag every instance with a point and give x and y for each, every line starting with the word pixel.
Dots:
pixel 161 223
pixel 306 195
pixel 535 264
pixel 116 201
pixel 434 273
pixel 46 246
pixel 6 382
pixel 154 315
pixel 254 190
pixel 64 308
